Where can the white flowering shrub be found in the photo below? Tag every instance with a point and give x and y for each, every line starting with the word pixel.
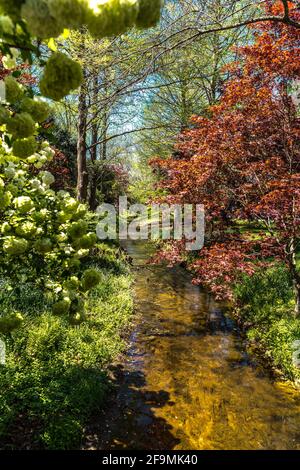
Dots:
pixel 40 22
pixel 23 21
pixel 44 235
pixel 149 13
pixel 61 75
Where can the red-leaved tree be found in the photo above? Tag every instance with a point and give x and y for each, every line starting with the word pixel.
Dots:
pixel 243 163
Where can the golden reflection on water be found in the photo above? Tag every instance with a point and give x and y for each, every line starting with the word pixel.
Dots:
pixel 188 382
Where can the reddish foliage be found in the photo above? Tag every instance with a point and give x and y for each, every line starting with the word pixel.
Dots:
pixel 243 162
pixel 121 175
pixel 25 77
pixel 60 169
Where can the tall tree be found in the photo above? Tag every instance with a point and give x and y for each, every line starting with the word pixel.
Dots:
pixel 189 77
pixel 243 163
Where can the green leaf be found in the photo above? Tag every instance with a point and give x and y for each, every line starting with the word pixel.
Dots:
pixel 52 45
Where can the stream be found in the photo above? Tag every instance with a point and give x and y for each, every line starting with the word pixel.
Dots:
pixel 187 382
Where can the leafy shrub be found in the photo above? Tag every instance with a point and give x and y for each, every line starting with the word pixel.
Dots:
pixel 266 305
pixel 39 227
pixel 55 375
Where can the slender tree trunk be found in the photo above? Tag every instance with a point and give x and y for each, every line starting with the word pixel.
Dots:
pixel 104 146
pixel 93 182
pixel 82 174
pixel 94 149
pixel 105 122
pixel 295 277
pixel 297 299
pixel 296 286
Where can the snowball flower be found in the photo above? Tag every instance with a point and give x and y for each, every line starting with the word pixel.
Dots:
pixel 90 279
pixel 61 307
pixel 33 158
pixel 6 25
pixel 39 20
pixel 112 17
pixel 24 148
pixel 82 253
pixel 63 194
pixel 149 13
pixel 61 75
pixel 13 90
pixel 23 204
pixel 43 159
pixel 10 170
pixel 47 178
pixel 9 62
pixel 73 12
pixel 15 246
pixel 35 184
pixel 80 212
pixel 21 125
pixel 10 323
pixel 5 199
pixel 26 229
pixel 44 245
pixel 70 204
pixel 78 229
pixel 63 217
pixel 62 237
pixel 5 228
pixel 42 215
pixel 39 110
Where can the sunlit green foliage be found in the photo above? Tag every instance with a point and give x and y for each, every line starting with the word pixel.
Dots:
pixel 266 304
pixel 63 368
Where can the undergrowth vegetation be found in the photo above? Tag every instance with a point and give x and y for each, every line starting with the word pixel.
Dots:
pixel 265 306
pixel 55 374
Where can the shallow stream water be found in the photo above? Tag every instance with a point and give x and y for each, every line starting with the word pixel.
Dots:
pixel 187 382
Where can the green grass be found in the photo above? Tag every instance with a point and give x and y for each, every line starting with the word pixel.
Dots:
pixel 55 375
pixel 266 305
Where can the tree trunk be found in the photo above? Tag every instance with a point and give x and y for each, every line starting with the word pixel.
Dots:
pixel 297 298
pixel 105 122
pixel 295 276
pixel 82 174
pixel 104 146
pixel 94 148
pixel 93 182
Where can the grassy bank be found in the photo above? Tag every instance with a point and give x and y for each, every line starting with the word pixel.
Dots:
pixel 265 305
pixel 55 375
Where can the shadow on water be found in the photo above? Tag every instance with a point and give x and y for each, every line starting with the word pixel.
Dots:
pixel 187 382
pixel 129 422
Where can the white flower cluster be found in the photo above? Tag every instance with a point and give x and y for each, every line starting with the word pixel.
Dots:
pixel 43 233
pixel 10 61
pixel 48 18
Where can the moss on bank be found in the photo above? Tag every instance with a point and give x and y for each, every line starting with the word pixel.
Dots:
pixel 55 376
